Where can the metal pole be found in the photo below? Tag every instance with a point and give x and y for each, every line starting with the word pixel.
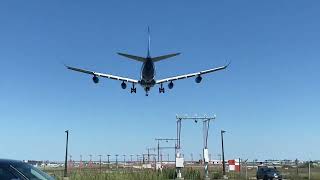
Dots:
pixel 178 150
pixel 206 159
pixel 309 170
pixel 108 160
pixel 240 167
pixel 297 166
pixel 178 169
pixel 100 163
pixel 117 160
pixel 80 164
pixel 223 163
pixel 158 150
pixel 90 162
pixel 66 156
pixel 246 171
pixel 148 156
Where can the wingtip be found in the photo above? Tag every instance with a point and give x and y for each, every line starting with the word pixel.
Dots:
pixel 228 63
pixel 65 65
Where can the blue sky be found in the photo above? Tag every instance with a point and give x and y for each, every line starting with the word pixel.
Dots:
pixel 267 100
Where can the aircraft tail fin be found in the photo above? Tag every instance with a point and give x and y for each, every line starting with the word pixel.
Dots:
pixel 149 42
pixel 137 58
pixel 159 58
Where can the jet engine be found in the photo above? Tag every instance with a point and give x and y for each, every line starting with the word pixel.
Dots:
pixel 123 85
pixel 170 85
pixel 95 79
pixel 198 79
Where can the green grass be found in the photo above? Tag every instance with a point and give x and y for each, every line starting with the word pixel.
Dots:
pixel 195 173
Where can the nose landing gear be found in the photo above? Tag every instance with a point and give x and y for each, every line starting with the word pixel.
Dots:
pixel 147 89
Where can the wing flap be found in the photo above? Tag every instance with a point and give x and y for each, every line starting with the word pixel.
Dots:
pixel 191 74
pixel 109 76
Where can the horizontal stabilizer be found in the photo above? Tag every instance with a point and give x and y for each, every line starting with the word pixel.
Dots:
pixel 159 58
pixel 137 58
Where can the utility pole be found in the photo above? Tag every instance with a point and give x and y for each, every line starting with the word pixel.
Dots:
pixel 124 160
pixel 245 163
pixel 108 160
pixel 223 161
pixel 148 155
pixel 309 169
pixel 117 160
pixel 191 157
pixel 66 156
pixel 297 163
pixel 100 162
pixel 81 163
pixel 90 162
pixel 131 157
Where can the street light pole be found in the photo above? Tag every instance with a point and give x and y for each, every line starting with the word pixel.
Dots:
pixel 117 160
pixel 66 155
pixel 100 162
pixel 108 160
pixel 223 163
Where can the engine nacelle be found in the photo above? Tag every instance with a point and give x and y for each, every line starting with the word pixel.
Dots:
pixel 170 85
pixel 95 79
pixel 198 79
pixel 123 85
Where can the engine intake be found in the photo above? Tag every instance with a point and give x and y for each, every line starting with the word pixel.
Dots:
pixel 170 85
pixel 95 79
pixel 123 85
pixel 198 79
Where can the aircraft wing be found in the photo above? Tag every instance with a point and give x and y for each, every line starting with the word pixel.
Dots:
pixel 110 76
pixel 191 74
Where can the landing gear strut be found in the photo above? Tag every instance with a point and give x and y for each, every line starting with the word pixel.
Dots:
pixel 161 89
pixel 147 89
pixel 133 89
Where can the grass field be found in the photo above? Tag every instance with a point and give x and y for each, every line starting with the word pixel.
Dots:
pixel 195 172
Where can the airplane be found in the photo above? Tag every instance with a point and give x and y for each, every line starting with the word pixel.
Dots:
pixel 147 79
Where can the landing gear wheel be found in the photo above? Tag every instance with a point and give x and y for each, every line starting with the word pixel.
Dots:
pixel 133 90
pixel 161 90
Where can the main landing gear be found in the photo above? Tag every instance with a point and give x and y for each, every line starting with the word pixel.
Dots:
pixel 133 89
pixel 161 89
